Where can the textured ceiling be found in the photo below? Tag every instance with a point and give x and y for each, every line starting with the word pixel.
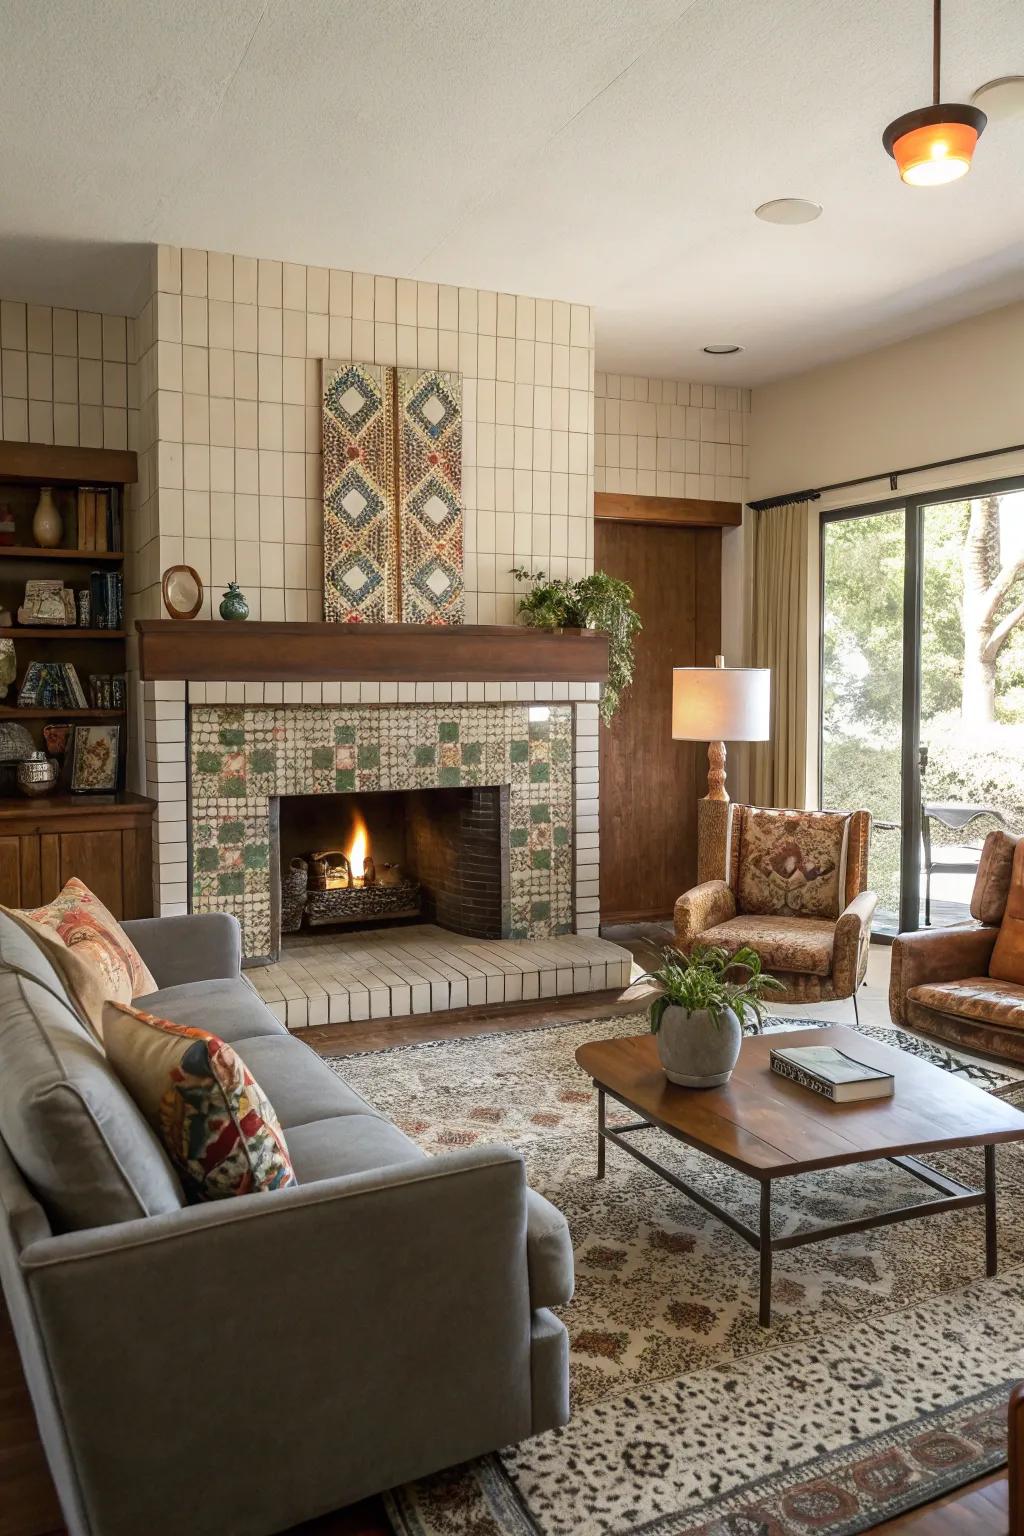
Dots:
pixel 609 151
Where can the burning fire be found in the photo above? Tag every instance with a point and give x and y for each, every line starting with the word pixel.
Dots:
pixel 358 848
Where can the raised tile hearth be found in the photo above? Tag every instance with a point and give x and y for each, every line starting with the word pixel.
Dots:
pixel 392 973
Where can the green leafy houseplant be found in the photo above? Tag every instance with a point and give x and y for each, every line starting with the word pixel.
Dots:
pixel 699 983
pixel 598 601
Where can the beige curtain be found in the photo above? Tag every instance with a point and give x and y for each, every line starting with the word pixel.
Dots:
pixel 779 640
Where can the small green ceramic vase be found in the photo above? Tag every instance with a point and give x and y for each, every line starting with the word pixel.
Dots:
pixel 233 604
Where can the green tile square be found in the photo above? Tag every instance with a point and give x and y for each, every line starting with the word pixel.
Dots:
pixel 561 837
pixel 540 773
pixel 448 730
pixel 345 778
pixel 232 884
pixel 207 860
pixel 323 757
pixel 232 736
pixel 425 757
pixel 450 776
pixel 539 729
pixel 540 909
pixel 519 751
pixel 540 858
pixel 520 933
pixel 344 735
pixel 560 752
pixel 231 832
pixel 233 789
pixel 368 757
pixel 263 760
pixel 472 753
pixel 518 837
pixel 540 813
pixel 256 855
pixel 208 762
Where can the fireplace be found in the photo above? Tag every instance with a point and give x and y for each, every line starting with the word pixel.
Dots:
pixel 365 859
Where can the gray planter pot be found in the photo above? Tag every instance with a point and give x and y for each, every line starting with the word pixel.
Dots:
pixel 699 1050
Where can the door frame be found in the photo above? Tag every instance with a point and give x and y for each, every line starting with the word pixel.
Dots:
pixel 914 506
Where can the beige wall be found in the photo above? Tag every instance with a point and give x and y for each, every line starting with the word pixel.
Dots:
pixel 952 391
pixel 67 377
pixel 230 351
pixel 667 437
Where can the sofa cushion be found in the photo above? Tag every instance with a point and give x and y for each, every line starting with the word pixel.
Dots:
pixel 85 925
pixel 548 1253
pixel 801 944
pixel 976 997
pixel 228 1006
pixel 80 981
pixel 1007 962
pixel 215 1121
pixel 77 1137
pixel 301 1086
pixel 327 1149
pixel 792 862
pixel 992 882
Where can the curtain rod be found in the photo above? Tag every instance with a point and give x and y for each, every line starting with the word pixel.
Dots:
pixel 792 497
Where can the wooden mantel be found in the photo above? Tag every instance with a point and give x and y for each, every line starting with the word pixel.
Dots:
pixel 191 650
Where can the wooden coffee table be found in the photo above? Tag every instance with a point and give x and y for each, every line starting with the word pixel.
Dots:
pixel 769 1128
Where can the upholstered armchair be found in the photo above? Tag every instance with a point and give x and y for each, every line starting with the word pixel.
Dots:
pixel 793 888
pixel 942 980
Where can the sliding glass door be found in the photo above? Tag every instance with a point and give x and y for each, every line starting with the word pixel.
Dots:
pixel 922 688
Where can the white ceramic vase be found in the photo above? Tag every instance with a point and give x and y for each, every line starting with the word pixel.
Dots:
pixel 47 524
pixel 699 1050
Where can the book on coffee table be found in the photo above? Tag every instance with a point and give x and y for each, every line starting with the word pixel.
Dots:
pixel 831 1073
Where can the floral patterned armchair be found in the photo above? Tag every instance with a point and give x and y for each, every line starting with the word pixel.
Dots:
pixel 793 887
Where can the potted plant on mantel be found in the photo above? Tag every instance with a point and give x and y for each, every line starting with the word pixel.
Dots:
pixel 702 1010
pixel 598 602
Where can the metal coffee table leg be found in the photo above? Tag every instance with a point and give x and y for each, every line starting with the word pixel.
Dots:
pixel 765 1234
pixel 991 1244
pixel 600 1133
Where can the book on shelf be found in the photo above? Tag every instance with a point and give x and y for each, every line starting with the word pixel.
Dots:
pixel 107 691
pixel 98 518
pixel 51 685
pixel 831 1073
pixel 106 590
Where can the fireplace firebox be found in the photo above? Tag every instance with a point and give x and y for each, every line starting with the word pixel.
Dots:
pixel 360 860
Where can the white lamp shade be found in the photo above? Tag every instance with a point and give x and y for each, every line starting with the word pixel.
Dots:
pixel 721 703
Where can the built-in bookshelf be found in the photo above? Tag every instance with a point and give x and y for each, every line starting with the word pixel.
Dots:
pixel 90 488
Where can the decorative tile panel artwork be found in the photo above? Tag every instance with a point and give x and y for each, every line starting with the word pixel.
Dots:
pixel 360 521
pixel 241 757
pixel 429 497
pixel 387 513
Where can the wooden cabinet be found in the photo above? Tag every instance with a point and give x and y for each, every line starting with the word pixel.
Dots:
pixel 106 841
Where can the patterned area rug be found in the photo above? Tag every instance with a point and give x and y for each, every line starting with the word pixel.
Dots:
pixel 881 1384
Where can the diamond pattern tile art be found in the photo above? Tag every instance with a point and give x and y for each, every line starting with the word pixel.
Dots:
pixel 242 756
pixel 430 496
pixel 360 522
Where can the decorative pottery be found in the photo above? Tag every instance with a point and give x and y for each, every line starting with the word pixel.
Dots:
pixel 57 735
pixel 233 604
pixel 37 775
pixel 182 591
pixel 698 1050
pixel 47 523
pixel 8 665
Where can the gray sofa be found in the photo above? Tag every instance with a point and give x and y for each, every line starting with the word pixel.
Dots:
pixel 232 1369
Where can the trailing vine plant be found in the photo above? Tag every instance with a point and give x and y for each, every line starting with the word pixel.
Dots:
pixel 598 601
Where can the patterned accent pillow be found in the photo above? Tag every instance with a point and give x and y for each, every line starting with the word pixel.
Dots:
pixel 95 935
pixel 216 1124
pixel 792 863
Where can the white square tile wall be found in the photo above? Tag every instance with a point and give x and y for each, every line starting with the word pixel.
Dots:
pixel 664 437
pixel 67 377
pixel 229 376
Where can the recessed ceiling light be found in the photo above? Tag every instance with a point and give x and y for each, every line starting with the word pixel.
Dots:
pixel 1001 99
pixel 721 348
pixel 789 210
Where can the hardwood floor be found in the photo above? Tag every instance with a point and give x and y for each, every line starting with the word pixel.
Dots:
pixel 28 1505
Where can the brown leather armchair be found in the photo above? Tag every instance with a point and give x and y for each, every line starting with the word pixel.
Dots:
pixel 793 888
pixel 939 983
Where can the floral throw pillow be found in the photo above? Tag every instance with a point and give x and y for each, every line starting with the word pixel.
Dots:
pixel 216 1124
pixel 94 934
pixel 792 863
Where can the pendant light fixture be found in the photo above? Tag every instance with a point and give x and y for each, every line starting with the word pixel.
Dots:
pixel 933 145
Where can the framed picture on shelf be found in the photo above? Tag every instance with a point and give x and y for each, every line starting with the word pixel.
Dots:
pixel 95 759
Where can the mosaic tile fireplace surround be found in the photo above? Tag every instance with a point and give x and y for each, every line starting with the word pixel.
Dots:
pixel 243 756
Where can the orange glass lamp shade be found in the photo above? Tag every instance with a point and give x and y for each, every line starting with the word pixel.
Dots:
pixel 934 145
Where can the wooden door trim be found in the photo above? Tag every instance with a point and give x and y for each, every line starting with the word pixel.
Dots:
pixel 666 511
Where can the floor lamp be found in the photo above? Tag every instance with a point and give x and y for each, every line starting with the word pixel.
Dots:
pixel 718 704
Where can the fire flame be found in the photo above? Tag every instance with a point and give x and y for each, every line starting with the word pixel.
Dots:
pixel 358 847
